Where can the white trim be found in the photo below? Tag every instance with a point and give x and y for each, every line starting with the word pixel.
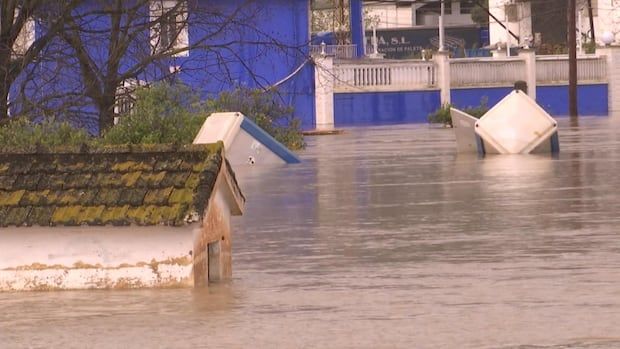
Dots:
pixel 159 8
pixel 25 38
pixel 126 98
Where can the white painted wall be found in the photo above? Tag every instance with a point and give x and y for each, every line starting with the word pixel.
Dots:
pixel 607 18
pixel 42 258
pixel 392 16
pixel 522 27
pixel 612 55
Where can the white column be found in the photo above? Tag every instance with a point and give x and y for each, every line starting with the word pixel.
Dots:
pixel 442 62
pixel 498 51
pixel 529 56
pixel 612 54
pixel 324 92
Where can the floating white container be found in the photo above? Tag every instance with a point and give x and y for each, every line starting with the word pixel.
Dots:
pixel 244 141
pixel 515 125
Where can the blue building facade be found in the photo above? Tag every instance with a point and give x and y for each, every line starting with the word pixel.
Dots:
pixel 265 46
pixel 252 44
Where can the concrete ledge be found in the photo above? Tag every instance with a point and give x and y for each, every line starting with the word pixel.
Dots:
pixel 323 132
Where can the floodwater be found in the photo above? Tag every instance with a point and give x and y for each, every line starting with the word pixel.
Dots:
pixel 385 238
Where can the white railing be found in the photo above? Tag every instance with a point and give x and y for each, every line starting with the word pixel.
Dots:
pixel 369 76
pixel 486 71
pixel 554 69
pixel 338 51
pixel 382 75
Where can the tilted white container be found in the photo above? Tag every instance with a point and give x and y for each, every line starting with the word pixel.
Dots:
pixel 244 141
pixel 516 125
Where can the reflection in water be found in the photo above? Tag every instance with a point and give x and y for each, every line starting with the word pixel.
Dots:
pixel 385 237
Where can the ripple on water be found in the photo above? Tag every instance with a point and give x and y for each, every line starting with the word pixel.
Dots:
pixel 384 237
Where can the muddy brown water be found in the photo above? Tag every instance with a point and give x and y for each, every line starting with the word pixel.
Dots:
pixel 385 238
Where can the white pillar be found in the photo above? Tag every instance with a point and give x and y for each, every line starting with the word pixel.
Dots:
pixel 324 92
pixel 529 56
pixel 442 62
pixel 498 52
pixel 612 54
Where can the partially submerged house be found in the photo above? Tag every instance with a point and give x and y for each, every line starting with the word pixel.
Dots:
pixel 210 45
pixel 116 217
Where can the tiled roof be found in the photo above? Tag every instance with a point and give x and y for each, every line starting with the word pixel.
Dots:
pixel 116 185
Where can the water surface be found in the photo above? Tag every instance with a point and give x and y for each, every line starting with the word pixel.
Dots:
pixel 385 238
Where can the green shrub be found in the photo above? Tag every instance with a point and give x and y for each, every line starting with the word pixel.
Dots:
pixel 162 113
pixel 21 133
pixel 264 109
pixel 590 47
pixel 442 115
pixel 480 110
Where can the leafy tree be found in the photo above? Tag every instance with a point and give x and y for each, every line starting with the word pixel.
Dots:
pixel 94 48
pixel 163 113
pixel 23 133
pixel 20 48
pixel 479 15
pixel 265 110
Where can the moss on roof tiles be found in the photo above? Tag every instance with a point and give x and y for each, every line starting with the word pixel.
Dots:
pixel 52 181
pixel 11 198
pixel 175 179
pixel 27 181
pixel 16 216
pixel 129 179
pixel 41 215
pixel 157 196
pixel 115 185
pixel 78 180
pixel 150 179
pixel 6 182
pixel 132 196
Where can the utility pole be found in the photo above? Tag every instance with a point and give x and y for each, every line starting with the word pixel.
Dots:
pixel 441 25
pixel 591 21
pixel 572 59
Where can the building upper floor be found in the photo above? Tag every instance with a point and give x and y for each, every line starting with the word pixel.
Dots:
pixel 412 13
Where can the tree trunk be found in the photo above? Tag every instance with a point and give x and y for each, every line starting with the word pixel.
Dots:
pixel 106 111
pixel 5 87
pixel 591 21
pixel 4 107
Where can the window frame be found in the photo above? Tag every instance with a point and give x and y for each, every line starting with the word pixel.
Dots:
pixel 169 17
pixel 26 36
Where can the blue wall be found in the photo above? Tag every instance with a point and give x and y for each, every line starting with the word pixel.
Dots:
pixel 380 108
pixel 258 65
pixel 472 97
pixel 357 26
pixel 267 43
pixel 592 100
pixel 384 108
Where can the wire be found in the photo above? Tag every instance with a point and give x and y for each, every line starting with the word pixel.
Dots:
pixel 288 77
